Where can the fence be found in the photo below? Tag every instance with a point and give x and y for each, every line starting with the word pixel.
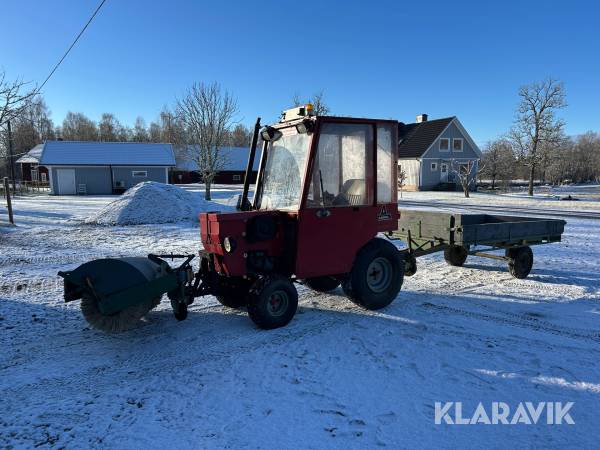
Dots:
pixel 26 188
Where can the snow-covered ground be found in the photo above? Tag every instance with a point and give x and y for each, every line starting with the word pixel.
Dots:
pixel 336 377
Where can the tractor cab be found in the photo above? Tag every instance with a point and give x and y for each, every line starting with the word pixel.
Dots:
pixel 325 188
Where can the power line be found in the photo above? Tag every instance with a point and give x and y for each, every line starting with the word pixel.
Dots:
pixel 70 47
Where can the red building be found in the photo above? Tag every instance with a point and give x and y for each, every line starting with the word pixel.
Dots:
pixel 30 165
pixel 235 160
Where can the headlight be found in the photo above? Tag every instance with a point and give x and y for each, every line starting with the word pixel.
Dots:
pixel 229 244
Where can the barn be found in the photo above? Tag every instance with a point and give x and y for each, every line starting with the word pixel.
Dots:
pixel 101 168
pixel 235 160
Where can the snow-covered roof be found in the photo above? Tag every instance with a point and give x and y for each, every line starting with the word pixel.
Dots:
pixel 32 156
pixel 79 153
pixel 235 158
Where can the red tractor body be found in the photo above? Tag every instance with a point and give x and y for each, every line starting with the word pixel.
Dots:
pixel 337 209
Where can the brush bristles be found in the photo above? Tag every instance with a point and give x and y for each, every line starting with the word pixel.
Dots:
pixel 124 320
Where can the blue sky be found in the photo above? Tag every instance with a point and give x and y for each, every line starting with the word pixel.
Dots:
pixel 389 59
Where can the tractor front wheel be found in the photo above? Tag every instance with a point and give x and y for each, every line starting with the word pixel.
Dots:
pixel 272 302
pixel 322 284
pixel 376 276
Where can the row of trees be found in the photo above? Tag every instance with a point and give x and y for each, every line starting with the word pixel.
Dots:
pixel 575 160
pixel 34 125
pixel 536 147
pixel 200 124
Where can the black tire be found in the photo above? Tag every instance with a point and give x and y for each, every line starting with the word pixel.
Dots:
pixel 272 302
pixel 455 255
pixel 233 292
pixel 410 265
pixel 322 284
pixel 520 262
pixel 377 275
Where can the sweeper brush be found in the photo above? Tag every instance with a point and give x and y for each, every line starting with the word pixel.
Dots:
pixel 117 293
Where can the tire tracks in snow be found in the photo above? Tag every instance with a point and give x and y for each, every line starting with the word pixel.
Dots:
pixel 519 320
pixel 203 342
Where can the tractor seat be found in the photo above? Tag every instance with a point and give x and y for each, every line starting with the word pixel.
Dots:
pixel 353 193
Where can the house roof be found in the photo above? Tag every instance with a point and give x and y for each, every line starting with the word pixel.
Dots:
pixel 235 158
pixel 79 153
pixel 32 156
pixel 415 138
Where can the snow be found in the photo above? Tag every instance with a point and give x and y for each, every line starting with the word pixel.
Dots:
pixel 336 377
pixel 153 203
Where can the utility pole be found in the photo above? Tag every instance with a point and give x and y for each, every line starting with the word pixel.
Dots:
pixel 11 157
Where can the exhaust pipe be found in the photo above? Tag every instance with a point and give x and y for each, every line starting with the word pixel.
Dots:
pixel 244 204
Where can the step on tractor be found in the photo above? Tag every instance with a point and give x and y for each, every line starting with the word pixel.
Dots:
pixel 324 213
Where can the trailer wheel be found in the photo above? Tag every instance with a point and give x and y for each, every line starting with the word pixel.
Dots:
pixel 322 284
pixel 455 255
pixel 376 276
pixel 520 262
pixel 233 293
pixel 410 265
pixel 272 302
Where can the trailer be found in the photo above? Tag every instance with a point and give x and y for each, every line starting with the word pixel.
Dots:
pixel 326 196
pixel 460 235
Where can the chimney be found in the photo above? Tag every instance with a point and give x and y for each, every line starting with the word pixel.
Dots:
pixel 422 118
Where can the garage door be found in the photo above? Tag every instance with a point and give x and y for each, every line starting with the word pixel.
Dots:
pixel 66 181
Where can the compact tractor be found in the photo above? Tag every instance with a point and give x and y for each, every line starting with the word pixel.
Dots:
pixel 323 212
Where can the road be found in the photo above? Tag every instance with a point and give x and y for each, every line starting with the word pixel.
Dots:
pixel 545 212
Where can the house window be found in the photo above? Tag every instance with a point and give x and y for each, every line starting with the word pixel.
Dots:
pixel 43 176
pixel 457 145
pixel 433 167
pixel 237 178
pixel 139 174
pixel 444 145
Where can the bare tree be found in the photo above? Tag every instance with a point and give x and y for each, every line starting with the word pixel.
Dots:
pixel 14 97
pixel 32 126
pixel 154 132
pixel 466 173
pixel 240 136
pixel 401 179
pixel 320 107
pixel 109 128
pixel 536 124
pixel 207 113
pixel 498 161
pixel 140 133
pixel 172 128
pixel 78 127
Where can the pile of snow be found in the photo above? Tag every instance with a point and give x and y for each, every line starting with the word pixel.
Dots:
pixel 152 202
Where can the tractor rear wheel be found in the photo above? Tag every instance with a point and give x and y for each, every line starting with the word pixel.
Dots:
pixel 456 255
pixel 322 284
pixel 124 320
pixel 520 261
pixel 272 302
pixel 233 292
pixel 376 276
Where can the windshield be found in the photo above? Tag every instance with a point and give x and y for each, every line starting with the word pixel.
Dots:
pixel 284 170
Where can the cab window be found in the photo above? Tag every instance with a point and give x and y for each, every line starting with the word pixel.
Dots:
pixel 339 174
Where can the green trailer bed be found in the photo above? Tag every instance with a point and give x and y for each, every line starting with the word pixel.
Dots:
pixel 458 234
